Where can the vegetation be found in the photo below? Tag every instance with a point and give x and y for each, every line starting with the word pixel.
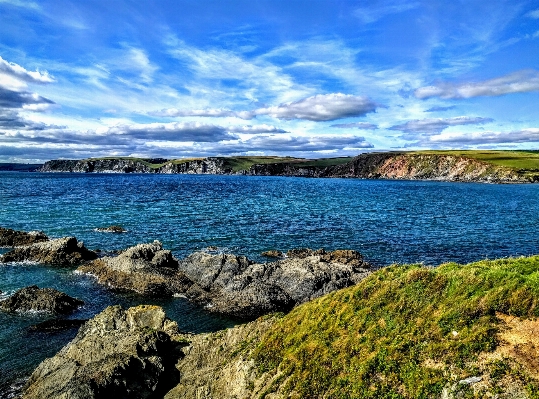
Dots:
pixel 406 332
pixel 523 161
pixel 244 163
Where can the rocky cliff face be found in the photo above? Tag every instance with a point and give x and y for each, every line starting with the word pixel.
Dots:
pixel 197 166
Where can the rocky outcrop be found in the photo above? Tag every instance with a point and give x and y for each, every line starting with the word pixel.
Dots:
pixel 111 229
pixel 56 325
pixel 38 299
pixel 236 286
pixel 226 283
pixel 66 251
pixel 145 268
pixel 117 354
pixel 14 238
pixel 220 365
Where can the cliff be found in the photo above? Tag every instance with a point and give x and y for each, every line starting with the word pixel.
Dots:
pixel 465 166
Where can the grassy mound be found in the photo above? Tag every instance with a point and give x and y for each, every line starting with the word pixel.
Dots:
pixel 407 332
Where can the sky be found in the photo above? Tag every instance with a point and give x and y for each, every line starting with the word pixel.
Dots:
pixel 302 78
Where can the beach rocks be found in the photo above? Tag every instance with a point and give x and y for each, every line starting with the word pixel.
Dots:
pixel 38 299
pixel 117 354
pixel 145 268
pixel 14 238
pixel 112 229
pixel 272 254
pixel 66 251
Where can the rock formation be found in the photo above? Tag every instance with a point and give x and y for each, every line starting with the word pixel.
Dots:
pixel 38 299
pixel 66 251
pixel 230 284
pixel 111 229
pixel 117 354
pixel 145 268
pixel 14 238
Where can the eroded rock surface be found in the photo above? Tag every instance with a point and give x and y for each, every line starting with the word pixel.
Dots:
pixel 112 229
pixel 66 251
pixel 15 238
pixel 38 299
pixel 117 354
pixel 145 268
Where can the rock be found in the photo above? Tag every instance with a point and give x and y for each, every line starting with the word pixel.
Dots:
pixel 14 238
pixel 117 354
pixel 64 251
pixel 470 380
pixel 235 286
pixel 145 268
pixel 34 298
pixel 112 229
pixel 302 253
pixel 272 254
pixel 57 325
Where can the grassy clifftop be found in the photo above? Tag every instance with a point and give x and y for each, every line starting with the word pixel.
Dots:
pixel 411 332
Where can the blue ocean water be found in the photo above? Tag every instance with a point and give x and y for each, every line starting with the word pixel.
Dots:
pixel 387 221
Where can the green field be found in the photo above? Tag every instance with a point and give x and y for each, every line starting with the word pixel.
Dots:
pixel 406 331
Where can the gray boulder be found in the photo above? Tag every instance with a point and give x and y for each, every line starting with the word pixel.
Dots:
pixel 66 251
pixel 38 299
pixel 145 268
pixel 15 238
pixel 117 354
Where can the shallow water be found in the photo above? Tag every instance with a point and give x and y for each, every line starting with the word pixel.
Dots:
pixel 387 221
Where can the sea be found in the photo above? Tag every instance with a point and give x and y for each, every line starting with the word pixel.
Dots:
pixel 388 221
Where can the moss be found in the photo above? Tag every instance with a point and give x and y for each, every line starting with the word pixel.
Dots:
pixel 406 331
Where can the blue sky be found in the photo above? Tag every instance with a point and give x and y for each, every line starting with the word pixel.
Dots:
pixel 309 78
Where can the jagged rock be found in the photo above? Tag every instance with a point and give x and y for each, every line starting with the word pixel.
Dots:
pixel 34 298
pixel 235 286
pixel 145 268
pixel 117 354
pixel 112 229
pixel 14 238
pixel 57 325
pixel 66 251
pixel 272 254
pixel 302 253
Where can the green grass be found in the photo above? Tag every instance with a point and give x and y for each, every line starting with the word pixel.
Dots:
pixel 244 163
pixel 324 162
pixel 520 160
pixel 391 336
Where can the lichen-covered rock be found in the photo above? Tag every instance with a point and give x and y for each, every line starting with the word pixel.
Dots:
pixel 272 254
pixel 15 238
pixel 145 268
pixel 38 299
pixel 56 325
pixel 117 354
pixel 66 251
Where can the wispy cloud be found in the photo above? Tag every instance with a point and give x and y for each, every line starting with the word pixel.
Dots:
pixel 530 135
pixel 432 126
pixel 375 12
pixel 533 14
pixel 440 109
pixel 356 125
pixel 208 112
pixel 23 100
pixel 517 82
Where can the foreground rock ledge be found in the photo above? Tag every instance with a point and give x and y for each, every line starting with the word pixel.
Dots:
pixel 117 354
pixel 66 251
pixel 38 299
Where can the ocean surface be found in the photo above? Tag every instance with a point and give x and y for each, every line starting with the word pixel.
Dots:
pixel 387 221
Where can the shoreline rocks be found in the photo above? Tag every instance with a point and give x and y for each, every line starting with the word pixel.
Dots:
pixel 33 298
pixel 15 238
pixel 111 229
pixel 118 353
pixel 66 251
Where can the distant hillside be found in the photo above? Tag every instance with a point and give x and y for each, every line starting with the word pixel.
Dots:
pixel 470 166
pixel 19 167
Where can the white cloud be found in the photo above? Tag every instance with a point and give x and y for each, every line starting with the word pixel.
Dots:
pixel 15 77
pixel 529 135
pixel 436 125
pixel 373 13
pixel 208 112
pixel 322 107
pixel 356 125
pixel 516 82
pixel 257 129
pixel 533 14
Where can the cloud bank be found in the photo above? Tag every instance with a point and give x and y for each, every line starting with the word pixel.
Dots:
pixel 437 125
pixel 518 82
